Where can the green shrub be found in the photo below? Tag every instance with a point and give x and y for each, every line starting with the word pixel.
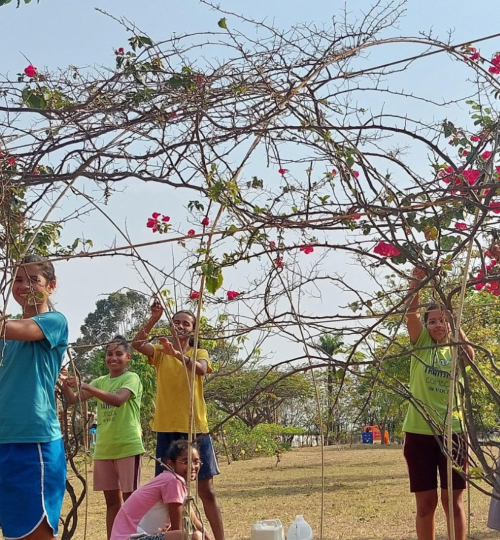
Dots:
pixel 238 441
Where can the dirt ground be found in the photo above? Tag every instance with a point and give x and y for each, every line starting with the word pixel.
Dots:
pixel 365 496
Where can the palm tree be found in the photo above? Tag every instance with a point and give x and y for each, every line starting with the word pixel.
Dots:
pixel 330 344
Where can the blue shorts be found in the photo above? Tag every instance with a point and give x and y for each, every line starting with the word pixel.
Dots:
pixel 32 486
pixel 210 466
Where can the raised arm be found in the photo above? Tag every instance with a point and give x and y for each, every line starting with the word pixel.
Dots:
pixel 22 330
pixel 139 342
pixel 413 321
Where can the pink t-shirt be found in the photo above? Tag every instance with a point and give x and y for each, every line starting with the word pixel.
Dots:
pixel 167 487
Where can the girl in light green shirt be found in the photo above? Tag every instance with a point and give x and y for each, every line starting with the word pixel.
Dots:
pixel 118 449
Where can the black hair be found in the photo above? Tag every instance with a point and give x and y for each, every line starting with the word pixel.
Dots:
pixel 120 341
pixel 45 266
pixel 195 322
pixel 177 448
pixel 433 307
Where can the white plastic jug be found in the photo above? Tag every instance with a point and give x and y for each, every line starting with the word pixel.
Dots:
pixel 268 529
pixel 299 530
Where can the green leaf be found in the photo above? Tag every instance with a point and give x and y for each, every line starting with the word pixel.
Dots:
pixel 399 259
pixel 447 242
pixel 33 99
pixel 339 373
pixel 222 23
pixel 207 268
pixel 256 183
pixel 214 283
pixel 448 128
pixel 144 40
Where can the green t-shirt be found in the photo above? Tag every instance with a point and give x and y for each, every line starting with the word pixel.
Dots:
pixel 430 374
pixel 119 428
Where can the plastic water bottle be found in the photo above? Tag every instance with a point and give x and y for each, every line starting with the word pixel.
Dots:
pixel 299 530
pixel 269 529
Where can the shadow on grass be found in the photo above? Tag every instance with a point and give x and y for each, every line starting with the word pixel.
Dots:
pixel 479 536
pixel 274 487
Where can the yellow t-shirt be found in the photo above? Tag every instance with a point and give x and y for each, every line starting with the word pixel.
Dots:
pixel 172 393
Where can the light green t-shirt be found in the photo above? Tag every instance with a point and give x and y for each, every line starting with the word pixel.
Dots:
pixel 119 431
pixel 430 374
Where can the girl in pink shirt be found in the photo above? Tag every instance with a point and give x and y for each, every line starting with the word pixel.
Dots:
pixel 157 506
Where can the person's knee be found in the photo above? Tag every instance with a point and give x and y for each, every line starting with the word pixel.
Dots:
pixel 458 502
pixel 113 499
pixel 197 535
pixel 427 504
pixel 206 490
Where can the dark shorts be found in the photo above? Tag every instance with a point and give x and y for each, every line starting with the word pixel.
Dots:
pixel 32 486
pixel 424 458
pixel 207 453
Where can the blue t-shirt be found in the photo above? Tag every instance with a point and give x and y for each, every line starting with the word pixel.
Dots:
pixel 28 375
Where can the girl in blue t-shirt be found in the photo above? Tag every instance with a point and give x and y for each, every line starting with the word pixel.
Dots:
pixel 32 459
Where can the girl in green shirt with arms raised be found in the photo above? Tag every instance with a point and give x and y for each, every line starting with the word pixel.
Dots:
pixel 424 424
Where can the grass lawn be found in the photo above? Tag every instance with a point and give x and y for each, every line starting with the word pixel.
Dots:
pixel 366 496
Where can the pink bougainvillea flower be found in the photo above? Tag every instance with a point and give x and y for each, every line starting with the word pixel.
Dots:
pixel 152 223
pixel 471 176
pixel 494 70
pixel 465 153
pixel 155 215
pixel 12 161
pixel 307 249
pixel 119 51
pixel 194 295
pixel 461 226
pixel 495 207
pixel 191 232
pixel 474 54
pixel 165 219
pixel 205 221
pixel 30 71
pixel 36 173
pixel 272 244
pixel 278 262
pixel 282 171
pixel 386 250
pixel 352 215
pixel 446 175
pixel 231 295
pixel 334 172
pixel 172 116
pixel 474 138
pixel 486 155
pixel 355 174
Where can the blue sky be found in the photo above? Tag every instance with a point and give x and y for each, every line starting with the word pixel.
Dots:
pixel 56 33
